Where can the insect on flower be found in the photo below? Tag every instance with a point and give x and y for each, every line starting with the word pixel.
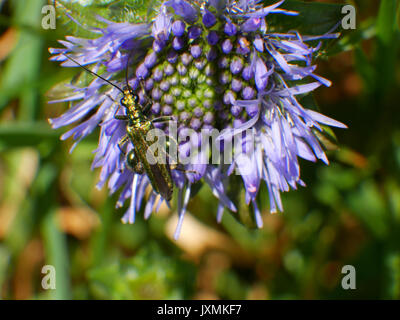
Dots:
pixel 140 131
pixel 216 66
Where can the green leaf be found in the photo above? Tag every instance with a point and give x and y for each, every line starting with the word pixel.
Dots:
pixel 150 274
pixel 314 18
pixel 392 263
pixel 19 70
pixel 386 23
pixel 20 134
pixel 230 286
pixel 5 257
pixel 327 138
pixel 369 206
pixel 387 48
pixel 364 68
pixel 366 30
pixel 85 14
pixel 57 256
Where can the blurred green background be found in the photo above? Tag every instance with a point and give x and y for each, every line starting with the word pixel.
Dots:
pixel 349 214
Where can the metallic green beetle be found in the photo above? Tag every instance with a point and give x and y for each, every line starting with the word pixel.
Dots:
pixel 139 127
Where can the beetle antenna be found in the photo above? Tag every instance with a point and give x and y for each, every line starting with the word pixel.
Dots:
pixel 127 75
pixel 94 73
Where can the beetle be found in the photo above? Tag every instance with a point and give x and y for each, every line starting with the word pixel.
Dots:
pixel 139 127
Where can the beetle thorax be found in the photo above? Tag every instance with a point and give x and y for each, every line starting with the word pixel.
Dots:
pixel 135 114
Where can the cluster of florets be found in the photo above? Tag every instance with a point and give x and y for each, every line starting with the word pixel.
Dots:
pixel 211 65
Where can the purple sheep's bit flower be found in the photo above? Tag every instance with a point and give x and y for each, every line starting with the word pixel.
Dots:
pixel 227 46
pixel 261 74
pixel 178 28
pixel 230 29
pixel 212 65
pixel 162 26
pixel 209 19
pixel 252 24
pixel 183 9
pixel 213 38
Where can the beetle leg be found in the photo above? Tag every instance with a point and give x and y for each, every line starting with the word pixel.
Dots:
pixel 146 108
pixel 167 149
pixel 176 167
pixel 163 119
pixel 119 117
pixel 122 142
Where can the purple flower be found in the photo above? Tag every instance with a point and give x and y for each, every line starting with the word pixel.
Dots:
pixel 236 65
pixel 247 73
pixel 212 38
pixel 150 60
pixel 209 19
pixel 252 24
pixel 227 46
pixel 178 43
pixel 248 93
pixel 238 78
pixel 196 51
pixel 183 9
pixel 162 26
pixel 178 28
pixel 236 85
pixel 194 32
pixel 142 71
pixel 230 29
pixel 261 73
